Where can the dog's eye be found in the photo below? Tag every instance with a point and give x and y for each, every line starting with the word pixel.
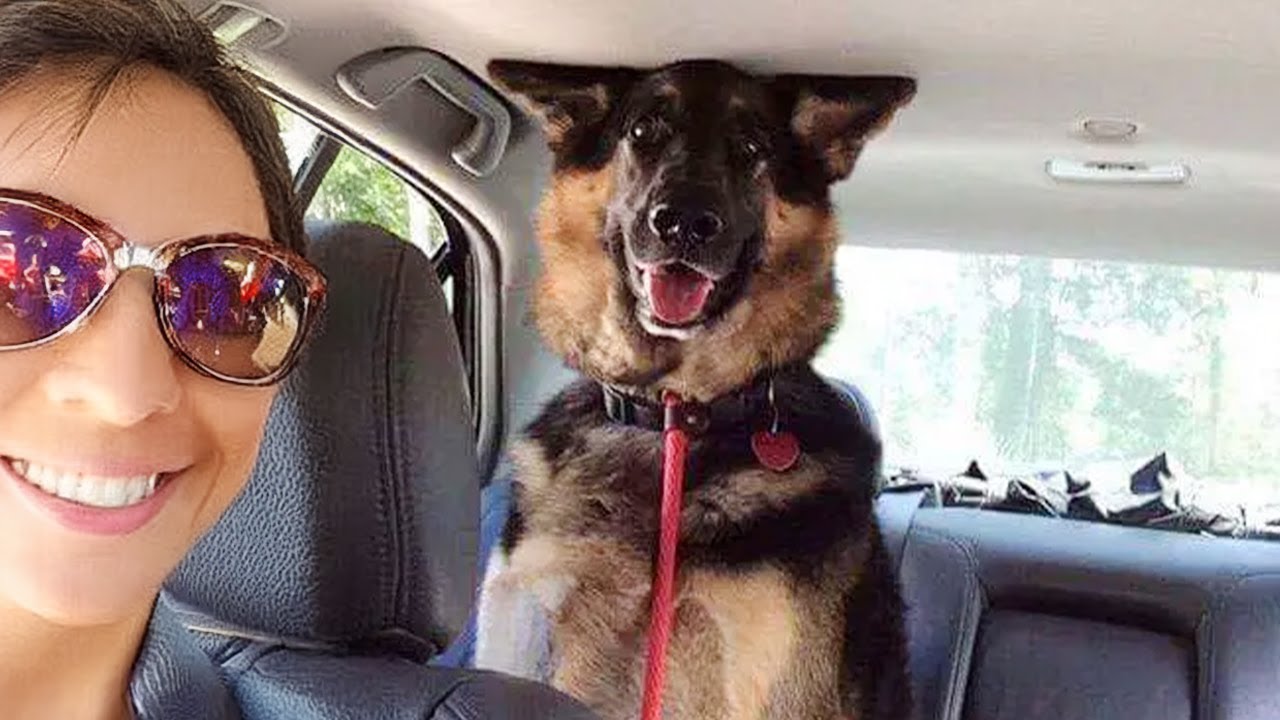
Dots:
pixel 646 130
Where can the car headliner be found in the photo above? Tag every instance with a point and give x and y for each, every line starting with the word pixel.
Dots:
pixel 1003 87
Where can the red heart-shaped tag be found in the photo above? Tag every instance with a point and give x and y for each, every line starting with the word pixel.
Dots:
pixel 777 451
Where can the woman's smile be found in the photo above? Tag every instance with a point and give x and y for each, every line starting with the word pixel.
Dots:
pixel 98 497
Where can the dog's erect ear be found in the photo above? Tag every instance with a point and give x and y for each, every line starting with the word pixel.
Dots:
pixel 571 101
pixel 835 116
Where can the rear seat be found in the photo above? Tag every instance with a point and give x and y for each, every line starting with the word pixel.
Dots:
pixel 1014 616
pixel 1024 617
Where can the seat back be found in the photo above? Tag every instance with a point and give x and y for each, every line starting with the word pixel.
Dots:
pixel 1018 616
pixel 359 525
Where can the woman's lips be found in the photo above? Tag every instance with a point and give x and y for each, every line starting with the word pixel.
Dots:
pixel 88 503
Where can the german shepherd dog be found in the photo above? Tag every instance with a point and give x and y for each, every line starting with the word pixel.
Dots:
pixel 688 243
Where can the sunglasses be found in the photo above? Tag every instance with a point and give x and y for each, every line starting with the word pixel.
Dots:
pixel 234 308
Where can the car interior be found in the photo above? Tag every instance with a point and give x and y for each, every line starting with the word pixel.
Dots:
pixel 1122 152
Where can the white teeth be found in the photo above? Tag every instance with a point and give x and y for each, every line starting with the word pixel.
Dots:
pixel 67 487
pixel 91 490
pixel 114 494
pixel 137 491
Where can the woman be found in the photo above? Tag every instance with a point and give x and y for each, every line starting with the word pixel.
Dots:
pixel 134 161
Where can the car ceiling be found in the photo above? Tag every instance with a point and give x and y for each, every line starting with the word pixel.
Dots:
pixel 1004 85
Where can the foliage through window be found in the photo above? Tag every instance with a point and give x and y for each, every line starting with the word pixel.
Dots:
pixel 358 188
pixel 345 184
pixel 1033 363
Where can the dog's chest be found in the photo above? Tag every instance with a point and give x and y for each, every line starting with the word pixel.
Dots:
pixel 738 641
pixel 605 486
pixel 590 532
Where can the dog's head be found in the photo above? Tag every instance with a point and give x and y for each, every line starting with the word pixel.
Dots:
pixel 687 237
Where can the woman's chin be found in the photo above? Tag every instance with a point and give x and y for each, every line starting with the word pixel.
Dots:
pixel 71 602
pixel 73 579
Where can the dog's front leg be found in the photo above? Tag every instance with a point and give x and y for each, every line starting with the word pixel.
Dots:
pixel 513 629
pixel 513 634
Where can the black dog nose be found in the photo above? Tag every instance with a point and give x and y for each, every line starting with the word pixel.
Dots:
pixel 695 223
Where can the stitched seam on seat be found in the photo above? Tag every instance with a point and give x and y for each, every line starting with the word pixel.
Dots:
pixel 911 521
pixel 400 496
pixel 1209 650
pixel 246 661
pixel 447 701
pixel 1205 651
pixel 1208 671
pixel 463 707
pixel 386 547
pixel 962 652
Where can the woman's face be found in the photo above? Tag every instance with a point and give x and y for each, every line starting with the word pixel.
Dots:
pixel 111 403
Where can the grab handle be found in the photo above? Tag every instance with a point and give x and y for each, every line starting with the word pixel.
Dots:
pixel 375 77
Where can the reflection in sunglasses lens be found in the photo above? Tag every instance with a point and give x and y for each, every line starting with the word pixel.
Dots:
pixel 51 271
pixel 234 310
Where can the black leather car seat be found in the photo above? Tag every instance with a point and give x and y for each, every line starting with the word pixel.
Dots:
pixel 1020 616
pixel 350 560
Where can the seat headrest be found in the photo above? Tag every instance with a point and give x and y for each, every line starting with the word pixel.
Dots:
pixel 860 404
pixel 359 524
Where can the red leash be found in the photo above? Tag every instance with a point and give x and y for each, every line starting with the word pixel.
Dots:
pixel 662 611
pixel 775 449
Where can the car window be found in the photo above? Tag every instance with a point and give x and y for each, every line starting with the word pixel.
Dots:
pixel 342 183
pixel 358 188
pixel 1030 363
pixel 299 136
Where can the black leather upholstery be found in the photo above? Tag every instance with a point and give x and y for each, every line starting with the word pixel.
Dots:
pixel 350 559
pixel 360 519
pixel 1029 665
pixel 860 404
pixel 1023 616
pixel 1241 650
pixel 298 684
pixel 172 678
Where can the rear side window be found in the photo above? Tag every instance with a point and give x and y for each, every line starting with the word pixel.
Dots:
pixel 1031 363
pixel 342 183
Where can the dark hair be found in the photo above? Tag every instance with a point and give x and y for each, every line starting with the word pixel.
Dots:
pixel 106 38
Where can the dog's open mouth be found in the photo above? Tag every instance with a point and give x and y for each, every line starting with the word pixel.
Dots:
pixel 677 294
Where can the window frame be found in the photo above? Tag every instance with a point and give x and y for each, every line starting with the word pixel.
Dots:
pixel 1087 347
pixel 454 260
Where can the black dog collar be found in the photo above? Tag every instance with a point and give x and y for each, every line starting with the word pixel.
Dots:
pixel 746 410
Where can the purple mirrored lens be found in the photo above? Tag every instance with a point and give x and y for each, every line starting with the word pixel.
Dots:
pixel 51 271
pixel 234 310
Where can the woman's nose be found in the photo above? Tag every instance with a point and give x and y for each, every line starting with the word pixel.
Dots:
pixel 119 367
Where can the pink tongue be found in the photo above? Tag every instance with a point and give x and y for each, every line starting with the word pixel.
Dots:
pixel 678 293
